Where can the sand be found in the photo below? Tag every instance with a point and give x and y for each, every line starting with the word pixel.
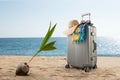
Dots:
pixel 52 68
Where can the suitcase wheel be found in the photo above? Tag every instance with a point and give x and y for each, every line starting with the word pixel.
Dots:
pixel 94 67
pixel 67 66
pixel 87 69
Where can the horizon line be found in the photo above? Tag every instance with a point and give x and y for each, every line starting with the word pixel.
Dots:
pixel 43 37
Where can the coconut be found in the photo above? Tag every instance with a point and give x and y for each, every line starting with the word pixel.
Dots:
pixel 22 69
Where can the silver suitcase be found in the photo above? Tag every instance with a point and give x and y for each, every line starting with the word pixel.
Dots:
pixel 83 54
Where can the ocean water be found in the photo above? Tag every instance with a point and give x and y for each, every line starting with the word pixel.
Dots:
pixel 28 46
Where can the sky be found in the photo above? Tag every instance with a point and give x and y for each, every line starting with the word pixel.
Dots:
pixel 31 18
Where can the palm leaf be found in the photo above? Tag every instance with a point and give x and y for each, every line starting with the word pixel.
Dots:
pixel 48 36
pixel 44 45
pixel 49 46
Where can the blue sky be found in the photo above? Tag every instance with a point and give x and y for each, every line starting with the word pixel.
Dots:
pixel 30 18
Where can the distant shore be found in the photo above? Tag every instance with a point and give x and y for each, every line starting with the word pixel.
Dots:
pixel 52 68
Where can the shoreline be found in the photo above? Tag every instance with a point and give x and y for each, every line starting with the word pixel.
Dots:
pixel 54 56
pixel 52 68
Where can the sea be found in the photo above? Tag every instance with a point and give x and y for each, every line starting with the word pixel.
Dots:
pixel 29 46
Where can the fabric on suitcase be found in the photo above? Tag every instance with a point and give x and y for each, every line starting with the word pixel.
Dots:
pixel 83 32
pixel 80 33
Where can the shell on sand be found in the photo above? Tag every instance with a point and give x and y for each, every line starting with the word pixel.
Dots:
pixel 22 69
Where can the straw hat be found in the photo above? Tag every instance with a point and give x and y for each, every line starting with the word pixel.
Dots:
pixel 71 27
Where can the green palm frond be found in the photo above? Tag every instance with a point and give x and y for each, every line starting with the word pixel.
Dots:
pixel 49 46
pixel 45 46
pixel 48 36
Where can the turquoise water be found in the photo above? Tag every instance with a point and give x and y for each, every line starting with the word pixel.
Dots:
pixel 28 46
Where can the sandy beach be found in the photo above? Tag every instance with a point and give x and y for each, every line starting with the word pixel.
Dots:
pixel 52 68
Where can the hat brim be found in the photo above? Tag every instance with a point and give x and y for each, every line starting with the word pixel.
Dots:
pixel 70 30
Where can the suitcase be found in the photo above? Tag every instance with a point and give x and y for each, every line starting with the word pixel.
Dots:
pixel 83 54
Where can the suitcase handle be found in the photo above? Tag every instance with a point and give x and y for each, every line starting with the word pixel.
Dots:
pixel 87 14
pixel 95 46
